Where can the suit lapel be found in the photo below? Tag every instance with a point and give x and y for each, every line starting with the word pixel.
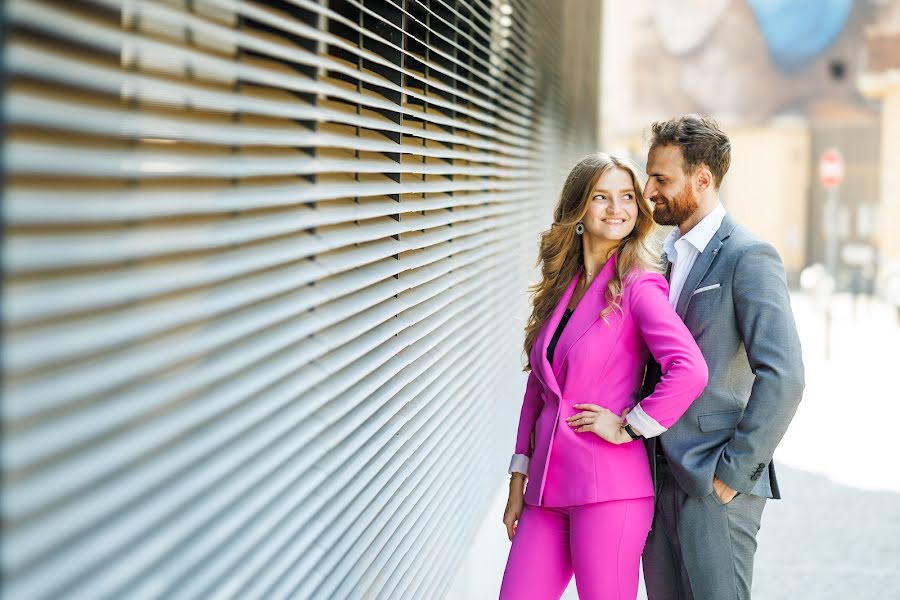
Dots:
pixel 702 264
pixel 546 334
pixel 585 315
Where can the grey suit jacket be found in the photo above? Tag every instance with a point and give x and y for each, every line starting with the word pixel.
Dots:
pixel 735 302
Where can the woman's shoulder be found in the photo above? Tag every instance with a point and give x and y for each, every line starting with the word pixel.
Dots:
pixel 645 285
pixel 640 277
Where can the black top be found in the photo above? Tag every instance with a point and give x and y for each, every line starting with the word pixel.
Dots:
pixel 559 329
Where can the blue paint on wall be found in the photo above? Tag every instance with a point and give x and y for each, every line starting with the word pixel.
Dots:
pixel 797 31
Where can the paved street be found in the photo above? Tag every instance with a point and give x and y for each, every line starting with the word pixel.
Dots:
pixel 836 533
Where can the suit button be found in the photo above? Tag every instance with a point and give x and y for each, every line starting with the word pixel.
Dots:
pixel 761 465
pixel 754 478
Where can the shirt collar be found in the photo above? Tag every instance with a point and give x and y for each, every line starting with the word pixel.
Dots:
pixel 700 234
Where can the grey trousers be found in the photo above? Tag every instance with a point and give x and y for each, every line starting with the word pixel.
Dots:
pixel 699 548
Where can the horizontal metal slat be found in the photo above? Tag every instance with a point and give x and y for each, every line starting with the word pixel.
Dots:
pixel 30 206
pixel 34 158
pixel 91 248
pixel 29 107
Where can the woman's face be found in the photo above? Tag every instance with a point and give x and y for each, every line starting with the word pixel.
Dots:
pixel 613 210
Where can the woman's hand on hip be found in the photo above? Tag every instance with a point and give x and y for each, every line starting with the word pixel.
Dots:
pixel 600 421
pixel 514 506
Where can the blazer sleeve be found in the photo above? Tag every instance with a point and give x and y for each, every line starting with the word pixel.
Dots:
pixel 766 325
pixel 531 407
pixel 683 369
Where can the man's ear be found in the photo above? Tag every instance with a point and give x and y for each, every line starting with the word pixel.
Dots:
pixel 704 179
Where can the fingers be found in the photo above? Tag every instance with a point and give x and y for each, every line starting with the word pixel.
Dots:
pixel 592 407
pixel 510 521
pixel 626 411
pixel 581 415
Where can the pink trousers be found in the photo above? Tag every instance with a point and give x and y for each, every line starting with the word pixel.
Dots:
pixel 600 543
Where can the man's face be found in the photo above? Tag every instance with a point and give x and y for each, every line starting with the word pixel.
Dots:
pixel 668 187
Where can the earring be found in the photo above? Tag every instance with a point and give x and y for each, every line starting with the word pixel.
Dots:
pixel 579 228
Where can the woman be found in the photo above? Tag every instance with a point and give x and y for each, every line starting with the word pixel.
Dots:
pixel 598 314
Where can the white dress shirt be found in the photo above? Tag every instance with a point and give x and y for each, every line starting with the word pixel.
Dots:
pixel 682 251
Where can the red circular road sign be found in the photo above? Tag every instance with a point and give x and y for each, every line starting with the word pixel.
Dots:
pixel 831 168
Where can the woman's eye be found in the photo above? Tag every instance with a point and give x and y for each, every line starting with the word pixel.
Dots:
pixel 599 197
pixel 628 197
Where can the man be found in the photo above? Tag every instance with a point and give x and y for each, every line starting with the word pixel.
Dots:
pixel 714 468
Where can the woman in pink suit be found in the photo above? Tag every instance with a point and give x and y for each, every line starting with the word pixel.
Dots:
pixel 598 315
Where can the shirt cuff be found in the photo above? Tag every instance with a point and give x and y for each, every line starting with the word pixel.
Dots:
pixel 647 425
pixel 519 464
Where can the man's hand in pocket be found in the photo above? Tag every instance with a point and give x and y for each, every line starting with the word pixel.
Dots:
pixel 725 493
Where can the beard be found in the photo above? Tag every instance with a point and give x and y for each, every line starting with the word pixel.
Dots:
pixel 676 210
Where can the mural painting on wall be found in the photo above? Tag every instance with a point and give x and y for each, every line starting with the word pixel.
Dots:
pixel 753 58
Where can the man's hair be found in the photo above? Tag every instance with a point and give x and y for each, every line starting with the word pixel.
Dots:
pixel 701 140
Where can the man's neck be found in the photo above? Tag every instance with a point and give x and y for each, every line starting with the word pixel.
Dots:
pixel 697 216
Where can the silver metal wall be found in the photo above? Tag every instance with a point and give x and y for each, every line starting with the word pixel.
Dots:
pixel 262 263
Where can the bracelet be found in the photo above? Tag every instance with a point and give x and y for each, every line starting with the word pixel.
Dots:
pixel 631 432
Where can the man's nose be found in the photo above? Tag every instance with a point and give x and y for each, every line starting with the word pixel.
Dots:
pixel 649 190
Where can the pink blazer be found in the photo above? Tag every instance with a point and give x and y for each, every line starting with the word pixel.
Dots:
pixel 602 362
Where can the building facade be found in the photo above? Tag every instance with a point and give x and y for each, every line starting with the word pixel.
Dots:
pixel 265 270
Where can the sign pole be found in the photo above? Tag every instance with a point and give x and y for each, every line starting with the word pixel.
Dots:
pixel 831 173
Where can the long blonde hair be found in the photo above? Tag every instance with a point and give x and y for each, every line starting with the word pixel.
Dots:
pixel 561 253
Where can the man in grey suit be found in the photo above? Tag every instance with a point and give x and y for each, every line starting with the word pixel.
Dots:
pixel 713 468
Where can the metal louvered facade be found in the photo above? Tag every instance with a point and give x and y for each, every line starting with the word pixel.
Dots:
pixel 264 271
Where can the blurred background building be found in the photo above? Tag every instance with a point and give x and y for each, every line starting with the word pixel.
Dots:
pixel 784 76
pixel 265 268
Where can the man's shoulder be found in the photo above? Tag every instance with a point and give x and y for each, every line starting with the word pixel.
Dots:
pixel 753 258
pixel 742 240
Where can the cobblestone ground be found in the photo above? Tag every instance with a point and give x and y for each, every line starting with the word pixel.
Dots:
pixel 836 533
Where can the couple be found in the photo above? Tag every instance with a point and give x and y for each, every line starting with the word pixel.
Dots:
pixel 723 381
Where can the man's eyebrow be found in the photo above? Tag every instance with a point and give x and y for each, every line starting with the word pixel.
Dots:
pixel 656 174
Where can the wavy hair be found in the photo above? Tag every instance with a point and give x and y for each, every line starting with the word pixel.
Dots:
pixel 561 253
